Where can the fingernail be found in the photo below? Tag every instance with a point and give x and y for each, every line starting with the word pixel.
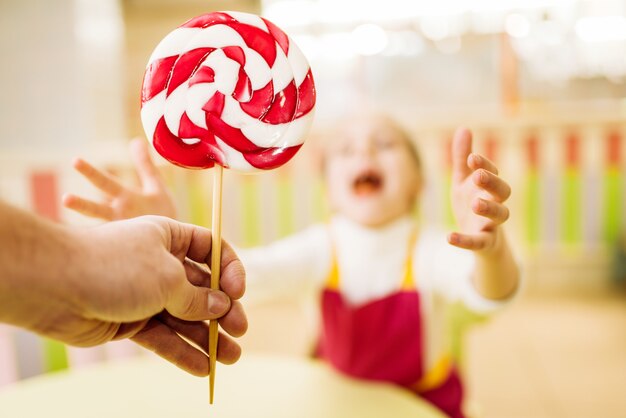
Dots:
pixel 481 205
pixel 482 176
pixel 218 302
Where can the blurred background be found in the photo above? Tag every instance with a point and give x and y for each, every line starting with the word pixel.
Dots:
pixel 540 82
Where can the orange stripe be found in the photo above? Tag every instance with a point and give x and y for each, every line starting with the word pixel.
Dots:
pixel 613 149
pixel 532 151
pixel 572 151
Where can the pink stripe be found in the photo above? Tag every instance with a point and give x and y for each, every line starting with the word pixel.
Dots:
pixel 44 194
pixel 123 349
pixel 8 356
pixel 81 357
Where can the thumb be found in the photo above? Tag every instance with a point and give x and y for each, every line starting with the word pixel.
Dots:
pixel 193 303
pixel 461 149
pixel 148 173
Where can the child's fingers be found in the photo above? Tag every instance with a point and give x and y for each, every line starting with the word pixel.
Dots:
pixel 148 174
pixel 476 161
pixel 496 212
pixel 101 180
pixel 470 242
pixel 493 184
pixel 88 207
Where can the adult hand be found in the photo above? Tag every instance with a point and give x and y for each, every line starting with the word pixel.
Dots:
pixel 144 279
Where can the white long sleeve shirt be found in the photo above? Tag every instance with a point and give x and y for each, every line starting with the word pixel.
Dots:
pixel 371 263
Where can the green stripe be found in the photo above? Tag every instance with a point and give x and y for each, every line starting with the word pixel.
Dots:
pixel 320 210
pixel 532 202
pixel 249 210
pixel 285 205
pixel 612 204
pixel 571 210
pixel 55 355
pixel 459 321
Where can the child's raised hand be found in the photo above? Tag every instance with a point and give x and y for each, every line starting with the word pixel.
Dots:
pixel 121 202
pixel 478 195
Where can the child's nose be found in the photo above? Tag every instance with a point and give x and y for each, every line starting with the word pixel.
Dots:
pixel 366 149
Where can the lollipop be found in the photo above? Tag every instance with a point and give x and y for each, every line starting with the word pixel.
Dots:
pixel 226 89
pixel 230 89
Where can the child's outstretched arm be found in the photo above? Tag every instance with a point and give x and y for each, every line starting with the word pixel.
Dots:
pixel 122 202
pixel 478 197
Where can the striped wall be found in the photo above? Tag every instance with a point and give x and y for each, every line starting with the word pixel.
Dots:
pixel 569 186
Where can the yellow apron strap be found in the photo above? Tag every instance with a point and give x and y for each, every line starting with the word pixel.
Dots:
pixel 437 375
pixel 434 377
pixel 408 280
pixel 332 281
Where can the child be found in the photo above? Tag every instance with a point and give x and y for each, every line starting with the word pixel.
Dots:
pixel 383 282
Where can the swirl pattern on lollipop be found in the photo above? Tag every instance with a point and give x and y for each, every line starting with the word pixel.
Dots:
pixel 228 88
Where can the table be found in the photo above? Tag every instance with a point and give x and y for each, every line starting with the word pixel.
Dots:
pixel 256 387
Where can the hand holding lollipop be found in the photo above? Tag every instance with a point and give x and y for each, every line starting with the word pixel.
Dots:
pixel 227 89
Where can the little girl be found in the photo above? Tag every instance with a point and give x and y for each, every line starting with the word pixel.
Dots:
pixel 383 282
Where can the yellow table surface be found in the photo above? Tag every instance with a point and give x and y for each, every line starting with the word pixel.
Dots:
pixel 255 387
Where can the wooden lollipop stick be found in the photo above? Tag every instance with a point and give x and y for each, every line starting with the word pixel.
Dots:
pixel 216 257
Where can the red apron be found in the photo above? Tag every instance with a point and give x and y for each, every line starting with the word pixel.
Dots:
pixel 382 340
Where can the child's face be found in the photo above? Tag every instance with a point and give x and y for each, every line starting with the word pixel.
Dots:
pixel 371 174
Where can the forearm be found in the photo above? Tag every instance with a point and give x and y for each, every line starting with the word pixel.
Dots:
pixel 35 264
pixel 497 274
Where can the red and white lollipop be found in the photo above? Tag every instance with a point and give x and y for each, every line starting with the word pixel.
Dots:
pixel 226 89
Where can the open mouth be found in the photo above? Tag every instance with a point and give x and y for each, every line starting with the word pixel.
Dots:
pixel 367 183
